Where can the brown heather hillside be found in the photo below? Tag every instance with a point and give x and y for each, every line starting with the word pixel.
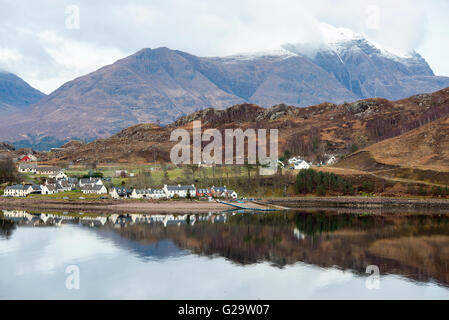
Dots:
pixel 311 132
pixel 421 154
pixel 425 147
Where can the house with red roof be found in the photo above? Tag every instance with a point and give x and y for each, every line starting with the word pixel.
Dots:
pixel 25 159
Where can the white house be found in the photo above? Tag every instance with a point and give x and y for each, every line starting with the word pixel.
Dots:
pixel 332 160
pixel 49 188
pixel 27 167
pixel 140 194
pixel 18 190
pixel 180 191
pixel 119 193
pixel 148 194
pixel 301 164
pixel 232 194
pixel 90 181
pixel 59 176
pixel 94 189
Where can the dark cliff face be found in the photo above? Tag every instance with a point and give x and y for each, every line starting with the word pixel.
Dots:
pixel 16 94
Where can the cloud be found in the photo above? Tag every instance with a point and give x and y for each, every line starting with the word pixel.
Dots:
pixel 36 44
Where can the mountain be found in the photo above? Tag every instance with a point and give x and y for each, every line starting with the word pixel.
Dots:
pixel 16 94
pixel 368 70
pixel 162 85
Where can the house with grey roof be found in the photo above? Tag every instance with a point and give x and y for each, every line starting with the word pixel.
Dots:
pixel 89 181
pixel 180 191
pixel 19 190
pixel 120 193
pixel 25 167
pixel 219 192
pixel 148 194
pixel 140 194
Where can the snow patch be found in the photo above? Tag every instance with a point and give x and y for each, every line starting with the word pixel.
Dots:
pixel 280 54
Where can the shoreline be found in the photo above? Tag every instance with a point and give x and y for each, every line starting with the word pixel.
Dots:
pixel 186 206
pixel 359 202
pixel 172 206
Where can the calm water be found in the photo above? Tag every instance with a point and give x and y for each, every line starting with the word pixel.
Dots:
pixel 286 255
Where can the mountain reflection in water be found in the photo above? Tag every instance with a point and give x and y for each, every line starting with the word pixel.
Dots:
pixel 413 245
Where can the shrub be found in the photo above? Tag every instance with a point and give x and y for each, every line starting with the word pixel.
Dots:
pixel 309 181
pixel 367 186
pixel 422 191
pixel 321 190
pixel 437 191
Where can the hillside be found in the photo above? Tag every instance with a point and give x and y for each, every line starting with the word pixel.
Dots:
pixel 16 94
pixel 419 154
pixel 424 147
pixel 161 85
pixel 312 132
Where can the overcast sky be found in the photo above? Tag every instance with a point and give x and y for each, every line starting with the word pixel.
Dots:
pixel 42 41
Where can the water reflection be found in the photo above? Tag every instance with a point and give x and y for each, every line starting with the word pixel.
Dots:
pixel 410 245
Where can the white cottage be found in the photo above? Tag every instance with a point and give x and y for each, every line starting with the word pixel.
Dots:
pixel 332 160
pixel 94 189
pixel 120 193
pixel 180 191
pixel 301 164
pixel 18 190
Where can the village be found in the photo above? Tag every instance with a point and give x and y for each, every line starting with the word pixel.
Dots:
pixel 57 181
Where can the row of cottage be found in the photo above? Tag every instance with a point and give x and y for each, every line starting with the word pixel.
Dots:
pixel 177 191
pixel 96 186
pixel 89 185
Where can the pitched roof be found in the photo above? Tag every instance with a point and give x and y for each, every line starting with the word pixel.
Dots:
pixel 142 191
pixel 18 187
pixel 180 188
pixel 92 187
pixel 122 191
pixel 27 165
pixel 48 169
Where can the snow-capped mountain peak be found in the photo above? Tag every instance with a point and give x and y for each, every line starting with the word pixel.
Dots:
pixel 331 34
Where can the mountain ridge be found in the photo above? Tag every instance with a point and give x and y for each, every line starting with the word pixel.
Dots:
pixel 162 85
